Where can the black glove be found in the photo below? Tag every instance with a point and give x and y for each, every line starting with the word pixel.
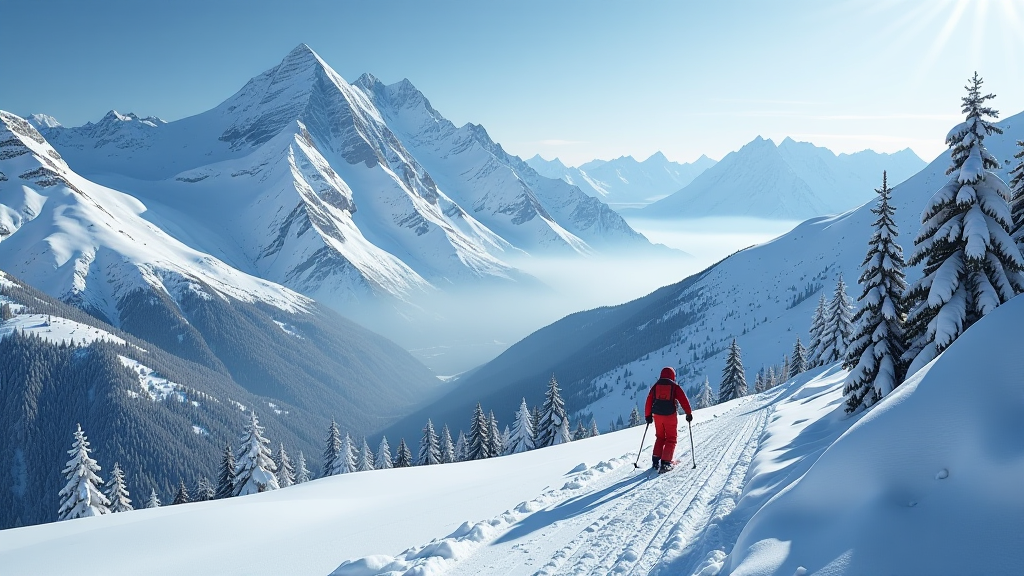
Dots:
pixel 689 417
pixel 650 419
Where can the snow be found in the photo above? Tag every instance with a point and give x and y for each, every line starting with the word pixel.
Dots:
pixel 152 384
pixel 55 329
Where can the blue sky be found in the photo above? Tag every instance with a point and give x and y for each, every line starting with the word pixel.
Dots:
pixel 573 79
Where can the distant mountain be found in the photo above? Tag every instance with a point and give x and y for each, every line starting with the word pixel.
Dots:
pixel 345 193
pixel 624 181
pixel 791 181
pixel 764 296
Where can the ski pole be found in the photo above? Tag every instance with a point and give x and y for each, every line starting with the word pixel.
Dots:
pixel 636 464
pixel 692 455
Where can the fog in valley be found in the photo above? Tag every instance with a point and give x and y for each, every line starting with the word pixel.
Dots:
pixel 456 330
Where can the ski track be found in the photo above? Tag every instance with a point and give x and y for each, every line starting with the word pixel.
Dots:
pixel 629 523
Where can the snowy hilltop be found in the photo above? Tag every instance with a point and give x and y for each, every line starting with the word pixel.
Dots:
pixel 342 192
pixel 789 181
pixel 625 182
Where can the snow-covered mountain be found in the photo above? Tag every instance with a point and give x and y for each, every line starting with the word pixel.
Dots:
pixel 789 181
pixel 625 182
pixel 341 192
pixel 764 296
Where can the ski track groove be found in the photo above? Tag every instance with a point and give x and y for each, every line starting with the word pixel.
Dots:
pixel 651 522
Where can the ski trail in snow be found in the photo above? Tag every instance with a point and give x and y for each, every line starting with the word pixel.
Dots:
pixel 626 523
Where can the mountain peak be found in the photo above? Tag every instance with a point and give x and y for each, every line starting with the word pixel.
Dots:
pixel 658 157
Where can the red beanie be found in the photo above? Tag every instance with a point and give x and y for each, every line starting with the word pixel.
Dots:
pixel 668 373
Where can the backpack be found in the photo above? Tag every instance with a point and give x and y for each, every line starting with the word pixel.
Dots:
pixel 662 405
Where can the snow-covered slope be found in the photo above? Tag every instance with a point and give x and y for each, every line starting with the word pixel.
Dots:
pixel 784 483
pixel 625 182
pixel 790 181
pixel 90 245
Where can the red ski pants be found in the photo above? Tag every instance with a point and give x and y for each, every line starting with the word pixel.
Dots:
pixel 665 436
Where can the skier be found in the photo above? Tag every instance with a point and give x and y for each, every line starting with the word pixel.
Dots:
pixel 661 410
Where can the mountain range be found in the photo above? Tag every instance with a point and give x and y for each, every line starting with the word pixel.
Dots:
pixel 625 182
pixel 789 181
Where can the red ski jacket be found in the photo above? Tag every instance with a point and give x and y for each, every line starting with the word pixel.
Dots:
pixel 663 390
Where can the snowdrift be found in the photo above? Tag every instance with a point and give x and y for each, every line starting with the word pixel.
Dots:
pixel 928 482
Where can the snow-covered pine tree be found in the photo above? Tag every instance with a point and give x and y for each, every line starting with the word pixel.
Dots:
pixel 203 490
pixel 383 460
pixel 876 349
pixel 153 501
pixel 786 367
pixel 552 415
pixel 838 327
pixel 477 445
pixel 799 359
pixel 447 447
pixel 81 496
pixel 581 431
pixel 226 478
pixel 117 491
pixel 301 472
pixel 734 382
pixel 1017 202
pixel 971 265
pixel 403 456
pixel 593 428
pixel 759 381
pixel 535 421
pixel 182 495
pixel 460 447
pixel 365 458
pixel 346 460
pixel 494 445
pixel 332 449
pixel 634 417
pixel 705 398
pixel 254 468
pixel 813 357
pixel 430 447
pixel 285 470
pixel 769 378
pixel 522 431
pixel 563 435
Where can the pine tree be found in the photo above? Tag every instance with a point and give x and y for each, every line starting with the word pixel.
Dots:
pixel 1017 190
pixel 876 351
pixel 81 496
pixel 403 457
pixel 5 312
pixel 634 418
pixel 759 381
pixel 799 364
pixel 620 424
pixel 523 437
pixel 447 447
pixel 506 437
pixel 734 382
pixel 153 501
pixel 301 472
pixel 477 445
pixel 494 445
pixel 254 468
pixel 383 460
pixel 117 491
pixel 285 470
pixel 203 490
pixel 345 463
pixel 430 446
pixel 332 450
pixel 705 398
pixel 535 421
pixel 769 378
pixel 611 425
pixel 817 330
pixel 181 496
pixel 971 265
pixel 594 432
pixel 581 431
pixel 838 327
pixel 784 375
pixel 365 463
pixel 460 447
pixel 563 436
pixel 552 415
pixel 226 479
